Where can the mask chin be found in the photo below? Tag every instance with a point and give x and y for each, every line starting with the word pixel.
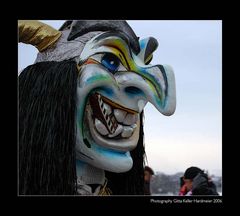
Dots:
pixel 107 153
pixel 113 162
pixel 103 158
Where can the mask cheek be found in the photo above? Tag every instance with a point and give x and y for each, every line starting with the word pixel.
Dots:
pixel 104 159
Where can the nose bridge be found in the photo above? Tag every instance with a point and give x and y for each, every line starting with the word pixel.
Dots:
pixel 155 84
pixel 133 89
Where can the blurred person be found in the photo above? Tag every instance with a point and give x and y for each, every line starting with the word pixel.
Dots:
pixel 196 182
pixel 148 173
pixel 183 189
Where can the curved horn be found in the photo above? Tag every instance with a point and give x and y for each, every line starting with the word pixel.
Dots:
pixel 38 34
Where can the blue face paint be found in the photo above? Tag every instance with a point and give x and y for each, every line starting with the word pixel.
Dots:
pixel 143 43
pixel 133 91
pixel 108 152
pixel 96 78
pixel 106 91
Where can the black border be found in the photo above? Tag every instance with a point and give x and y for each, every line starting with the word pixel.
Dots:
pixel 200 11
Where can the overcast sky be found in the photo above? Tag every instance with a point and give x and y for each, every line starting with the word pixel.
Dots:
pixel 193 135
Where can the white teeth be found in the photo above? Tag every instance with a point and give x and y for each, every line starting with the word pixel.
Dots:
pixel 123 118
pixel 107 108
pixel 100 127
pixel 120 115
pixel 127 131
pixel 141 104
pixel 134 126
pixel 117 131
pixel 130 119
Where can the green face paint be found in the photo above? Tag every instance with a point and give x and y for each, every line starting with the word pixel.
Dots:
pixel 114 86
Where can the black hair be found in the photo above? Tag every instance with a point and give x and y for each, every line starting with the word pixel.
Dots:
pixel 192 172
pixel 131 182
pixel 47 160
pixel 181 180
pixel 149 169
pixel 47 103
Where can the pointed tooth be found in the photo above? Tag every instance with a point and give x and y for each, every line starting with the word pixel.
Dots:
pixel 127 131
pixel 134 126
pixel 100 101
pixel 107 118
pixel 130 119
pixel 117 131
pixel 100 127
pixel 120 115
pixel 109 123
pixel 114 124
pixel 141 105
pixel 107 108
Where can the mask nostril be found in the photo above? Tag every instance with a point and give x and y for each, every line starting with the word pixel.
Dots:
pixel 133 90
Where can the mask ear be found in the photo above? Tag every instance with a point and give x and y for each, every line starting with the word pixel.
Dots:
pixel 147 46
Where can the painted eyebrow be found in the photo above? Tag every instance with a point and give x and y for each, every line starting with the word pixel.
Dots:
pixel 115 34
pixel 116 46
pixel 132 42
pixel 122 53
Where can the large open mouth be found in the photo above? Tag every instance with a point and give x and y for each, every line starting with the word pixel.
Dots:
pixel 112 125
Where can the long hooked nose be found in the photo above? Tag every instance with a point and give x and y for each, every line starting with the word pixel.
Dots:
pixel 155 84
pixel 149 83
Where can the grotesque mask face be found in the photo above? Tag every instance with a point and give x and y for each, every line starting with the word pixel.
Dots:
pixel 115 81
pixel 114 85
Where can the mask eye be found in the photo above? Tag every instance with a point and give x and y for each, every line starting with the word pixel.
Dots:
pixel 111 62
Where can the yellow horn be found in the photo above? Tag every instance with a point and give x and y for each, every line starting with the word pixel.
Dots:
pixel 38 34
